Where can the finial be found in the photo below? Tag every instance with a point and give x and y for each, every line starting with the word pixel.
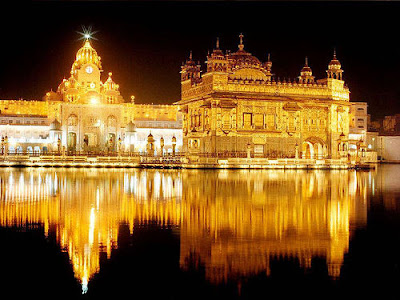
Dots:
pixel 190 55
pixel 334 53
pixel 306 62
pixel 217 45
pixel 241 46
pixel 269 57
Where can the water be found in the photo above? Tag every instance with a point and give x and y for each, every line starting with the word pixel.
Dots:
pixel 196 234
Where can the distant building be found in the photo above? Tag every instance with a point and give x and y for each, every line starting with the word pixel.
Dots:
pixel 391 124
pixel 87 114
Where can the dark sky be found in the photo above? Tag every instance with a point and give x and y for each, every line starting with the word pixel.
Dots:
pixel 144 43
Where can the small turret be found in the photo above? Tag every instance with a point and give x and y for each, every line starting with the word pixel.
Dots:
pixel 217 62
pixel 190 70
pixel 335 68
pixel 306 73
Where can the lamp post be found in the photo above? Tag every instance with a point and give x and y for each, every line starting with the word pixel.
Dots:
pixel 2 145
pixel 5 146
pixel 162 146
pixel 173 145
pixel 59 146
pixel 248 150
pixel 119 145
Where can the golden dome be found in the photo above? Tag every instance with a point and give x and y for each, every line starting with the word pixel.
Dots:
pixel 306 70
pixel 86 55
pixel 335 63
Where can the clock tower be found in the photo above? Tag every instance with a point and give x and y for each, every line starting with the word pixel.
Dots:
pixel 84 86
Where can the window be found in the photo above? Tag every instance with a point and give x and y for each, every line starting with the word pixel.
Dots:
pixel 247 119
pixel 360 120
pixel 360 126
pixel 259 120
pixel 360 109
pixel 72 120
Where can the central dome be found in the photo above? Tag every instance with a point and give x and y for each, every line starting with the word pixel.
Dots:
pixel 86 55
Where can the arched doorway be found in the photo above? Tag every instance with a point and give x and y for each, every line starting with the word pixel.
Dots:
pixel 314 148
pixel 308 150
pixel 71 141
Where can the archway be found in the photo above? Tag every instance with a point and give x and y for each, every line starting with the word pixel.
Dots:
pixel 314 147
pixel 36 150
pixel 308 150
pixel 71 141
pixel 319 150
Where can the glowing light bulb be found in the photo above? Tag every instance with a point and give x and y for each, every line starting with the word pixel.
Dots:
pixel 94 100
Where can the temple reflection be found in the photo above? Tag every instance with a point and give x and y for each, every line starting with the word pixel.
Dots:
pixel 232 222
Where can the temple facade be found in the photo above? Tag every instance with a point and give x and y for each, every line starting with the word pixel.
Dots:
pixel 237 107
pixel 87 114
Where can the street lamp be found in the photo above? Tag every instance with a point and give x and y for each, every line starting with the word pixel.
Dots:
pixel 59 146
pixel 162 146
pixel 119 145
pixel 5 145
pixel 173 145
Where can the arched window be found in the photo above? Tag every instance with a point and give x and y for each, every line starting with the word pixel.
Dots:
pixel 111 121
pixel 72 120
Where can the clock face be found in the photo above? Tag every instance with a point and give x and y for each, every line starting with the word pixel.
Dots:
pixel 89 69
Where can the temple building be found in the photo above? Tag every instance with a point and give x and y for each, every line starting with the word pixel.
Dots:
pixel 87 114
pixel 237 105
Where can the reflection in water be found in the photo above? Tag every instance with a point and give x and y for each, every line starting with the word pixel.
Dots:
pixel 232 222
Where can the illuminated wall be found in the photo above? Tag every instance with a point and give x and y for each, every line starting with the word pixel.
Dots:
pixel 238 103
pixel 91 112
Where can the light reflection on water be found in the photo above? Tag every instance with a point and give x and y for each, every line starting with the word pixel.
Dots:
pixel 234 222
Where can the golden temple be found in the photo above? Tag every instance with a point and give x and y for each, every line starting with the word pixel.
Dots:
pixel 238 105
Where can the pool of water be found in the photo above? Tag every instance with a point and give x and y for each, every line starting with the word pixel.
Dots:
pixel 197 234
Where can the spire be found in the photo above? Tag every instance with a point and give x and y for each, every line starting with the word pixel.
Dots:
pixel 217 44
pixel 306 73
pixel 268 66
pixel 190 55
pixel 334 68
pixel 241 46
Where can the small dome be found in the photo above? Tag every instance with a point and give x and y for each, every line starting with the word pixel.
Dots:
pixel 150 138
pixel 131 127
pixel 55 125
pixel 335 63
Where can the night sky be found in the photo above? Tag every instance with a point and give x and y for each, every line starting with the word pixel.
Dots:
pixel 144 43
